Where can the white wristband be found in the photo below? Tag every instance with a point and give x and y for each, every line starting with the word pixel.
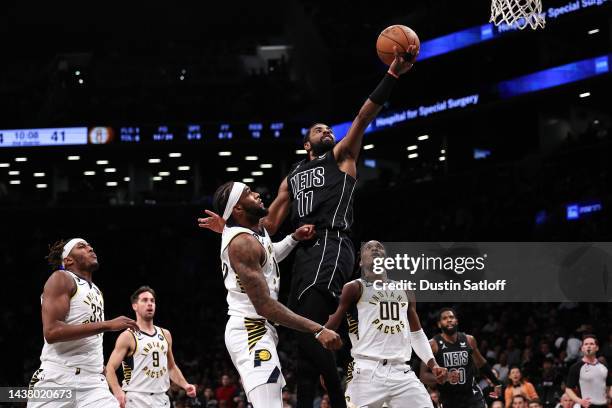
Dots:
pixel 421 345
pixel 283 248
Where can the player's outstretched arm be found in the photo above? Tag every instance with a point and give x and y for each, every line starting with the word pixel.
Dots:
pixel 246 255
pixel 124 346
pixel 176 375
pixel 484 366
pixel 283 248
pixel 56 305
pixel 425 375
pixel 348 148
pixel 419 341
pixel 278 210
pixel 351 292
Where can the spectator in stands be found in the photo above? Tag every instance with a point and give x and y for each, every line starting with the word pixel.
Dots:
pixel 492 325
pixel 502 366
pixel 287 399
pixel 548 385
pixel 534 404
pixel 225 393
pixel 566 402
pixel 209 398
pixel 518 401
pixel 517 385
pixel 513 354
pixel 497 404
pixel 435 398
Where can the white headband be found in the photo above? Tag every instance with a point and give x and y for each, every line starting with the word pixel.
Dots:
pixel 234 196
pixel 68 247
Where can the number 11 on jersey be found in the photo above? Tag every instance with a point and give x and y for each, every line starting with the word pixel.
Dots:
pixel 304 202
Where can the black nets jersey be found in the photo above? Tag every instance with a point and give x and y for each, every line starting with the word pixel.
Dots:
pixel 321 194
pixel 457 357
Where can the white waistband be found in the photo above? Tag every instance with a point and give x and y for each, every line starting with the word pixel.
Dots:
pixel 383 361
pixel 67 369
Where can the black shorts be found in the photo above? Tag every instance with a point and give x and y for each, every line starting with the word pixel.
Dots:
pixel 325 263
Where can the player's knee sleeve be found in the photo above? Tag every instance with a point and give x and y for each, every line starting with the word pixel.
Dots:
pixel 266 396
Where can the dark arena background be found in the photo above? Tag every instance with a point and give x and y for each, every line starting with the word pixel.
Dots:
pixel 121 121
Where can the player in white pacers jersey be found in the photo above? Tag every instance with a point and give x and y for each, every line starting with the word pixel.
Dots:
pixel 147 359
pixel 384 328
pixel 73 323
pixel 249 261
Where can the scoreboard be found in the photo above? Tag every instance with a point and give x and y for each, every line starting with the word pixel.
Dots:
pixel 43 137
pixel 136 134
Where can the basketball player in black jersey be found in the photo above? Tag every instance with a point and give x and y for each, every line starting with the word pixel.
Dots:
pixel 319 190
pixel 458 352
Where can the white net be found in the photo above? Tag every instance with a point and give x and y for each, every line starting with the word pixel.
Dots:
pixel 520 13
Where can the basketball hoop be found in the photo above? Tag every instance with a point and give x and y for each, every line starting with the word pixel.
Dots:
pixel 519 13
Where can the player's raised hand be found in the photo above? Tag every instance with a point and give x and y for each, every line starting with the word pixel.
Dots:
pixel 304 233
pixel 213 222
pixel 403 62
pixel 121 323
pixel 496 393
pixel 190 389
pixel 329 339
pixel 440 373
pixel 120 395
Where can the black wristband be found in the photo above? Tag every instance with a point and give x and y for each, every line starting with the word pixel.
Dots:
pixel 488 372
pixel 383 90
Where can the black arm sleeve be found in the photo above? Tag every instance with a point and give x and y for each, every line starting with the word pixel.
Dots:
pixel 383 90
pixel 573 376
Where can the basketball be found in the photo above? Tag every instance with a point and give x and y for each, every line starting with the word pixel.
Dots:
pixel 396 35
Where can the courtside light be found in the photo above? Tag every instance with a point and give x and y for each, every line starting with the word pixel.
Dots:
pixel 157 178
pixel 368 147
pixel 250 158
pixel 248 180
pixel 101 162
pixel 39 174
pixel 442 158
pixel 89 173
pixel 231 169
pixel 184 168
pixel 14 173
pixel 5 164
pixel 413 147
pixel 593 31
pixel 413 156
pixel 180 182
pixel 21 159
pixel 126 179
pixel 111 183
pixel 15 182
pixel 301 151
pixel 41 186
pixel 110 170
pixel 266 165
pixel 164 173
pixel 443 151
pixel 154 160
pixel 585 95
pixel 175 155
pixel 73 158
pixel 423 137
pixel 225 153
pixel 257 173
